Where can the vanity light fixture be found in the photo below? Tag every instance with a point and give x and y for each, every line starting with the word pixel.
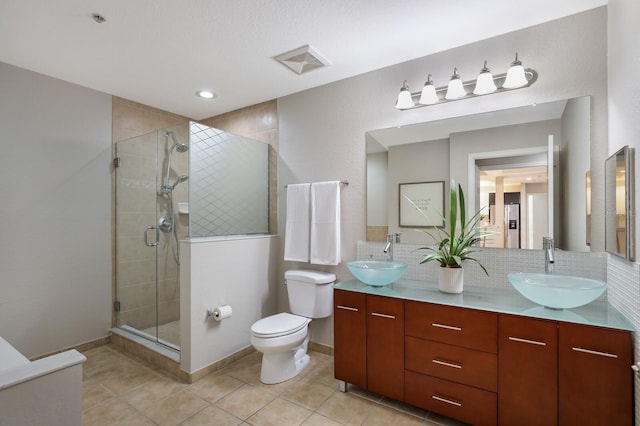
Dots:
pixel 205 94
pixel 515 78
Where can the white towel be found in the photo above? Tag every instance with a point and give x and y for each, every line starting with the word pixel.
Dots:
pixel 325 223
pixel 296 236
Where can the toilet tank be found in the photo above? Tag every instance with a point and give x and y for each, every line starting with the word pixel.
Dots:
pixel 310 292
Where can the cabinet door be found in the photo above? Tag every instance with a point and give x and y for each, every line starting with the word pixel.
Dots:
pixel 385 346
pixel 595 376
pixel 527 371
pixel 349 337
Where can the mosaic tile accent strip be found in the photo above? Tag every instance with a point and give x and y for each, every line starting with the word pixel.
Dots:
pixel 499 262
pixel 624 295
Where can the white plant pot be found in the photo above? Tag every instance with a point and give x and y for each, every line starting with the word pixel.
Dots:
pixel 451 279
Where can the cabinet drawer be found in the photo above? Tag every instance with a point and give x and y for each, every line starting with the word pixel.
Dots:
pixel 461 365
pixel 456 326
pixel 461 402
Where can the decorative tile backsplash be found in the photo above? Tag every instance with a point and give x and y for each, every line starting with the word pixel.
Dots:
pixel 624 294
pixel 499 262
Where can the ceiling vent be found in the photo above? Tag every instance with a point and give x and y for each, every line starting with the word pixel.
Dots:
pixel 302 59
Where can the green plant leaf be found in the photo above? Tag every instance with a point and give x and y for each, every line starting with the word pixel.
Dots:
pixel 452 246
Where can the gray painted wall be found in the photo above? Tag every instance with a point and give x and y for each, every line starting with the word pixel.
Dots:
pixel 416 162
pixel 55 250
pixel 624 129
pixel 322 130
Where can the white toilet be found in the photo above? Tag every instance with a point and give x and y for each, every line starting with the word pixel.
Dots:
pixel 283 337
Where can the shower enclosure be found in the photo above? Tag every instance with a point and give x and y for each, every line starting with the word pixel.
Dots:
pixel 188 181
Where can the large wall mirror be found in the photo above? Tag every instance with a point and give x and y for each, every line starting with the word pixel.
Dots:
pixel 523 167
pixel 619 204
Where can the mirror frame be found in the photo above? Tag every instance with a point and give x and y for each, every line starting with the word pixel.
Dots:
pixel 613 198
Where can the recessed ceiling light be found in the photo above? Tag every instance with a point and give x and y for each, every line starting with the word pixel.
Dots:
pixel 205 94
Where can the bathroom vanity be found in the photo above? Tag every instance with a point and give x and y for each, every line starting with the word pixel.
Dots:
pixel 487 356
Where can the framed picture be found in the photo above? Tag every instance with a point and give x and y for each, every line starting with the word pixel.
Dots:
pixel 428 197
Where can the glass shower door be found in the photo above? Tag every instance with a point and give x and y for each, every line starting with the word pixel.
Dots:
pixel 151 217
pixel 137 236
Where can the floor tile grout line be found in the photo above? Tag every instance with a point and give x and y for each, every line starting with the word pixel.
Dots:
pixel 316 374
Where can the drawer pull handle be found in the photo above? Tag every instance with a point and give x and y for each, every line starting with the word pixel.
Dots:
pixel 448 327
pixel 531 342
pixel 588 351
pixel 347 308
pixel 446 364
pixel 448 401
pixel 376 314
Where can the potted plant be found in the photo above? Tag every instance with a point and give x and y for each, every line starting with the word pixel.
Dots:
pixel 455 243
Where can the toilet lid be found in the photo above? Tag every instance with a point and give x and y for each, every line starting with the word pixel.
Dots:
pixel 278 325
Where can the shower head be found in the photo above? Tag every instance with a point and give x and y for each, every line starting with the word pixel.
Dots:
pixel 180 147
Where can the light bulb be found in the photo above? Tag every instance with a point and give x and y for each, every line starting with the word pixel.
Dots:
pixel 455 90
pixel 404 97
pixel 428 95
pixel 484 83
pixel 515 76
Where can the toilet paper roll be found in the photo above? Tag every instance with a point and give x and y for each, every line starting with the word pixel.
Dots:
pixel 222 312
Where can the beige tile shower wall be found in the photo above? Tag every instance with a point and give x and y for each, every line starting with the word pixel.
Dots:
pixel 138 291
pixel 259 122
pixel 131 119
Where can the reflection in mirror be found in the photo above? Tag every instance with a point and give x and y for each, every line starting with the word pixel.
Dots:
pixel 492 155
pixel 619 204
pixel 588 181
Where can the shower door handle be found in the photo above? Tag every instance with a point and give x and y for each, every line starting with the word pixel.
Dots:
pixel 146 238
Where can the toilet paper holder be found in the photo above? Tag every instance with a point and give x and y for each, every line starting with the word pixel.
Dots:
pixel 220 313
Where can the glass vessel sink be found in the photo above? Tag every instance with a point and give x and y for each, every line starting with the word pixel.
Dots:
pixel 556 291
pixel 377 272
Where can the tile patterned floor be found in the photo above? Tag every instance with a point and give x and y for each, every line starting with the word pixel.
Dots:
pixel 119 389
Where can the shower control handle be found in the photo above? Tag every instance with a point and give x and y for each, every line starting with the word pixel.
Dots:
pixel 146 238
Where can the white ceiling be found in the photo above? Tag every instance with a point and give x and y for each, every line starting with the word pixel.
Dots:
pixel 160 52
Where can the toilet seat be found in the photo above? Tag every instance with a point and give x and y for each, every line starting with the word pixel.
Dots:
pixel 278 325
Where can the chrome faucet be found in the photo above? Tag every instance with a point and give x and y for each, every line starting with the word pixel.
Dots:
pixel 549 258
pixel 388 248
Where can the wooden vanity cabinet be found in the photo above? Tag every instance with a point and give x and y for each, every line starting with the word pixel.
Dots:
pixel 527 371
pixel 385 346
pixel 481 367
pixel 350 337
pixel 595 378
